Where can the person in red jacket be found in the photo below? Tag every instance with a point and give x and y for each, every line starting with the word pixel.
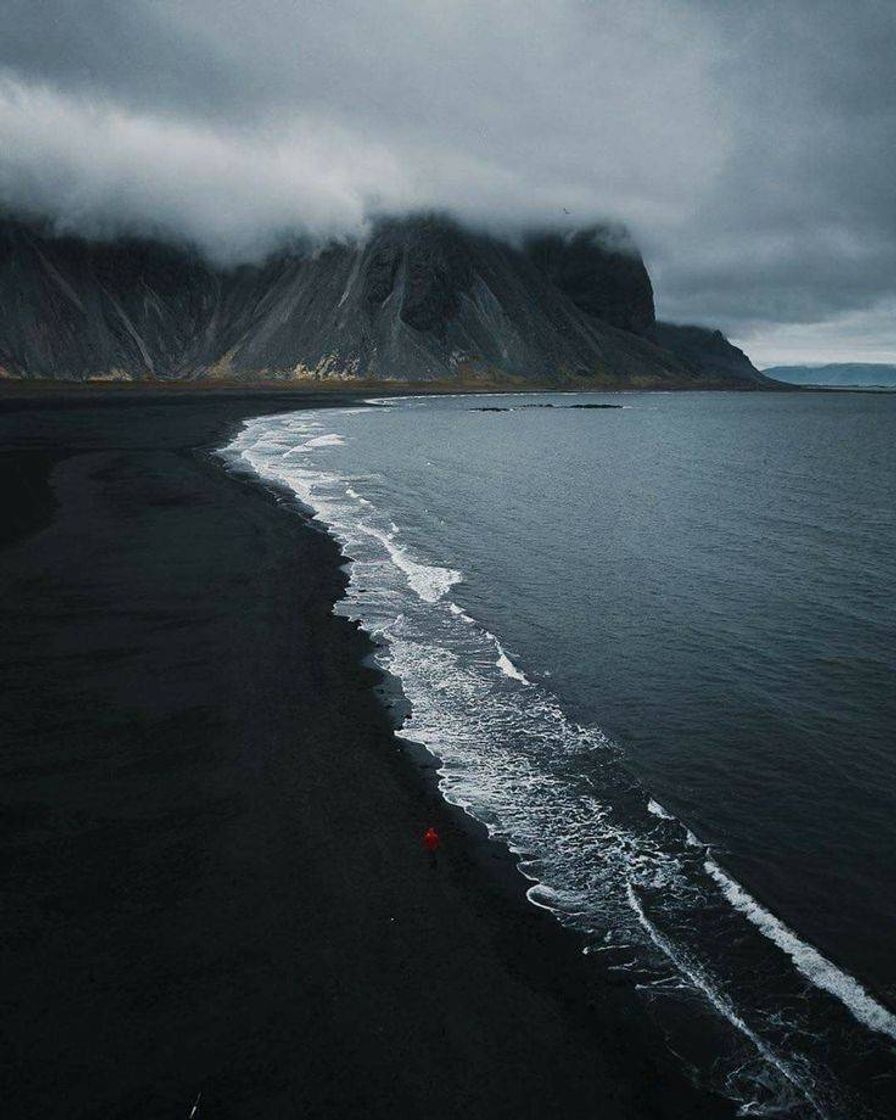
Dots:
pixel 431 841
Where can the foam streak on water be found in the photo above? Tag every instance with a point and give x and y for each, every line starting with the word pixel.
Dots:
pixel 602 855
pixel 807 959
pixel 721 1002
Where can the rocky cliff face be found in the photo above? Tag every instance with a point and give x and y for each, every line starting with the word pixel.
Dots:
pixel 601 271
pixel 421 300
pixel 705 349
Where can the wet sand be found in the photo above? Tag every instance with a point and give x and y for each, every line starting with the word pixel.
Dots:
pixel 213 872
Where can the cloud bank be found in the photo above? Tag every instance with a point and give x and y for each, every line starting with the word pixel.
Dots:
pixel 751 148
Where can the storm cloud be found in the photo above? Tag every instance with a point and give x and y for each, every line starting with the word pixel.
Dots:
pixel 750 148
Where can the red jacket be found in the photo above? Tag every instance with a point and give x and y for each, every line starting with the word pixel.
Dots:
pixel 431 839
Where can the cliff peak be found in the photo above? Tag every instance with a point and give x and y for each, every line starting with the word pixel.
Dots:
pixel 420 299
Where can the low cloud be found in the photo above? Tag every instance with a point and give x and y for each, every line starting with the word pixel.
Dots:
pixel 95 167
pixel 751 149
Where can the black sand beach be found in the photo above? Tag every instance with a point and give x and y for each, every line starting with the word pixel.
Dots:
pixel 213 875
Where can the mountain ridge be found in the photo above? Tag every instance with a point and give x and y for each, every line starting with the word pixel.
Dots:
pixel 420 300
pixel 837 374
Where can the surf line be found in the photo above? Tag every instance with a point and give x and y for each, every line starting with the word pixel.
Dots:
pixel 808 961
pixel 817 969
pixel 719 1001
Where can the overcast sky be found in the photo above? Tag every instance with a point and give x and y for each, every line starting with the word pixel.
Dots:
pixel 750 147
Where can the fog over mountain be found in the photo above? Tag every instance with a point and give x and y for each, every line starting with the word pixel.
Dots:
pixel 750 148
pixel 418 299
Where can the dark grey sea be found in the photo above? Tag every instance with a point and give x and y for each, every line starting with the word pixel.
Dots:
pixel 654 649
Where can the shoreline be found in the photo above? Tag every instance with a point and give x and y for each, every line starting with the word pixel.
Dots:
pixel 32 392
pixel 490 862
pixel 496 988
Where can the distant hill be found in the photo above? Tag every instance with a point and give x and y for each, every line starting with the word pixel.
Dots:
pixel 420 299
pixel 857 375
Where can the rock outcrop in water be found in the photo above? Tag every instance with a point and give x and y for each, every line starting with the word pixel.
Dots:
pixel 422 299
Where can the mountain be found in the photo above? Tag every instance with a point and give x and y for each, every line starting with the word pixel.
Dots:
pixel 860 375
pixel 706 349
pixel 421 299
pixel 601 271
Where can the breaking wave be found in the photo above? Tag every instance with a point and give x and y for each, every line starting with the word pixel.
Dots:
pixel 816 968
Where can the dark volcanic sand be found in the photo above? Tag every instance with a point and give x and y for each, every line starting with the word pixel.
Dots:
pixel 213 876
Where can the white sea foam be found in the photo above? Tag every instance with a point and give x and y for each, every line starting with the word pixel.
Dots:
pixel 393 400
pixel 503 661
pixel 654 807
pixel 429 581
pixel 816 968
pixel 718 999
pixel 351 492
pixel 461 614
pixel 331 439
pixel 292 450
pixel 507 667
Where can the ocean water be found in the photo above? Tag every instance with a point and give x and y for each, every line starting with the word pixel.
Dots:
pixel 654 649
